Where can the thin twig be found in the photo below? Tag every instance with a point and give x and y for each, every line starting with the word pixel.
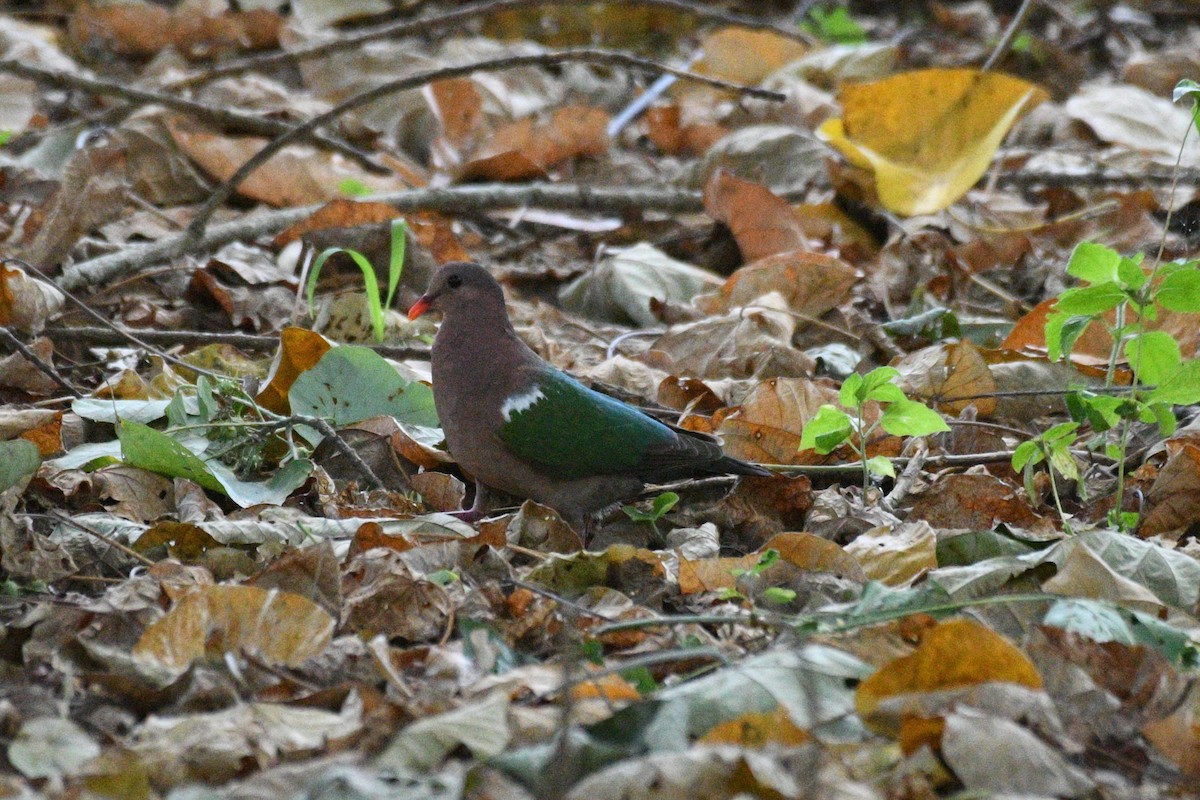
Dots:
pixel 108 540
pixel 339 444
pixel 33 358
pixel 227 118
pixel 449 199
pixel 200 221
pixel 455 17
pixel 85 308
pixel 1010 33
pixel 245 341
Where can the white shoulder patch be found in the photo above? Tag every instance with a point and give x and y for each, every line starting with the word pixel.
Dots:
pixel 521 401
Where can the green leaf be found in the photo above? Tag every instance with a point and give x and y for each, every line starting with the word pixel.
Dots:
pixel 852 393
pixel 876 378
pixel 664 503
pixel 1181 387
pixel 1098 410
pixel 19 460
pixel 834 25
pixel 1062 331
pixel 1094 263
pixel 976 546
pixel 1186 88
pixel 826 430
pixel 399 231
pixel 777 594
pixel 350 384
pixel 352 187
pixel 1027 453
pixel 1164 416
pixel 1180 291
pixel 148 449
pixel 370 285
pixel 910 418
pixel 1131 275
pixel 1153 356
pixel 1090 300
pixel 881 465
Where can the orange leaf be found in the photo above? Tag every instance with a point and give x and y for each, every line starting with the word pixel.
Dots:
pixel 299 350
pixel 954 654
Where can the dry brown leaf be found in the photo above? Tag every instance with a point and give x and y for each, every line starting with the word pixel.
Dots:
pixel 762 222
pixel 1174 497
pixel 767 427
pixel 949 377
pixel 810 284
pixel 758 729
pixel 528 149
pixel 975 502
pixel 280 627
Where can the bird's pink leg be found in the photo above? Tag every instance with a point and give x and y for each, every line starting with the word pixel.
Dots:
pixel 478 509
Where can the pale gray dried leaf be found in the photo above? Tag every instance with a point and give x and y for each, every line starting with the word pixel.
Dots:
pixel 780 156
pixel 621 286
pixel 997 755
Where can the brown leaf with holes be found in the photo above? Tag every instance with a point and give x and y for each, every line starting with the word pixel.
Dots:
pixel 810 284
pixel 768 426
pixel 976 502
pixel 949 377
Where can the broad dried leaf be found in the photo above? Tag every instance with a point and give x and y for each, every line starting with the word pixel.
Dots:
pixel 282 628
pixel 529 149
pixel 758 729
pixel 296 176
pixel 27 303
pixel 951 655
pixel 1174 497
pixel 801 550
pixel 299 351
pixel 762 222
pixel 949 377
pixel 974 502
pixel 810 284
pixel 896 556
pixel 742 55
pixel 767 427
pixel 925 162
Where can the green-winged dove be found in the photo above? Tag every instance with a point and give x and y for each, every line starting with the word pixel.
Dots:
pixel 517 424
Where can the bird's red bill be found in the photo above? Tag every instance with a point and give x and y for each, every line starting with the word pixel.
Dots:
pixel 418 308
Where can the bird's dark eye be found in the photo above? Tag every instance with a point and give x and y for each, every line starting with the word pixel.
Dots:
pixel 454 281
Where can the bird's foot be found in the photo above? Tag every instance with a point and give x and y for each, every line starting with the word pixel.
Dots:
pixel 471 515
pixel 478 509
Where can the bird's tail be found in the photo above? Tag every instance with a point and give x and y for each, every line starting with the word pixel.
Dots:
pixel 728 465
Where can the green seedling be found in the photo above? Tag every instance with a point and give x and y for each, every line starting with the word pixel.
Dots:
pixel 832 427
pixel 661 505
pixel 395 266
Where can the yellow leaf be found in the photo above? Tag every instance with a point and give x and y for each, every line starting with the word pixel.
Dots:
pixel 952 655
pixel 280 627
pixel 930 134
pixel 757 729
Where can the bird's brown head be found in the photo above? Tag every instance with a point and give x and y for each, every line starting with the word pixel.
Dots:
pixel 459 285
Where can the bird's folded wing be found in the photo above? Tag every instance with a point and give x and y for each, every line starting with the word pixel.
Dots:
pixel 569 431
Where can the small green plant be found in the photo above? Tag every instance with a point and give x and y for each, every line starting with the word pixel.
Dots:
pixel 370 285
pixel 834 25
pixel 352 187
pixel 661 505
pixel 1120 294
pixel 773 594
pixel 832 427
pixel 1054 447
